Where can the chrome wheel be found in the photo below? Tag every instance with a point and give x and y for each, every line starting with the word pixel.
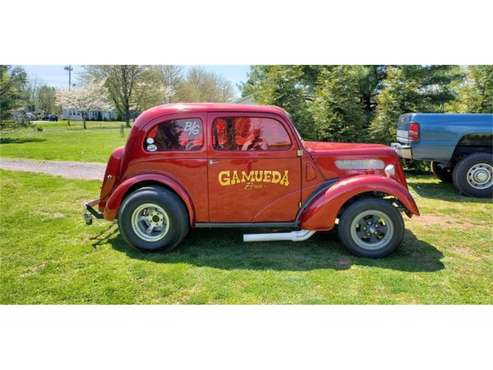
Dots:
pixel 480 176
pixel 150 222
pixel 372 230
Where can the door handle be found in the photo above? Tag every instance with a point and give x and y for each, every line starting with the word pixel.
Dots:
pixel 213 161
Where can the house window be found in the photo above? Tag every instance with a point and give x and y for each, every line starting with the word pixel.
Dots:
pixel 179 134
pixel 249 134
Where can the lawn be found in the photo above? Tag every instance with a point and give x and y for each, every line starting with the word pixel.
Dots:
pixel 48 255
pixel 57 141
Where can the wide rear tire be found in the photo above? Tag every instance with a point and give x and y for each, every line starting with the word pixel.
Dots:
pixel 371 227
pixel 153 218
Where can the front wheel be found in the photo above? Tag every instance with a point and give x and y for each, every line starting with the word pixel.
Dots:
pixel 371 227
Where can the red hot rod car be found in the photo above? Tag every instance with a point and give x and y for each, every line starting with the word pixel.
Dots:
pixel 246 166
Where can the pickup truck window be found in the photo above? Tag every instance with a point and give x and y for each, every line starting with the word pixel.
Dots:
pixel 249 134
pixel 177 135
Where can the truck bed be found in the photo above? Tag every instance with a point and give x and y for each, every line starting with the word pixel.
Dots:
pixel 440 133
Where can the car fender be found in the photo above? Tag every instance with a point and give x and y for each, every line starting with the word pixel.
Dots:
pixel 323 210
pixel 118 194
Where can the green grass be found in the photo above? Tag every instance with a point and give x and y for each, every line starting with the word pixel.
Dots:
pixel 49 256
pixel 57 141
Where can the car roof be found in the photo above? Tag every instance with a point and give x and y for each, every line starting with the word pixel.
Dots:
pixel 165 109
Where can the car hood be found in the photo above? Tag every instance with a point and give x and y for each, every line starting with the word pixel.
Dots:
pixel 321 148
pixel 325 155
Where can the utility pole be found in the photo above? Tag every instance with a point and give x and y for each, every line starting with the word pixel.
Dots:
pixel 69 68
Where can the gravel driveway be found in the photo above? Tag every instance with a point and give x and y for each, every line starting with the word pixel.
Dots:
pixel 70 170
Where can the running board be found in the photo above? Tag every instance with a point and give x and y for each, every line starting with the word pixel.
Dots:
pixel 294 236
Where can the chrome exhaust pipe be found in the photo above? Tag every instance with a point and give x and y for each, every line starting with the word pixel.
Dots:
pixel 294 236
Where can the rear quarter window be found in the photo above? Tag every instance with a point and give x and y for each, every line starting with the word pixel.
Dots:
pixel 175 135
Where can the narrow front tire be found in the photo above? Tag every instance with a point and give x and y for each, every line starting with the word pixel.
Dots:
pixel 371 227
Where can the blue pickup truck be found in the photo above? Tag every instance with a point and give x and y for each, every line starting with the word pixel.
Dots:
pixel 459 147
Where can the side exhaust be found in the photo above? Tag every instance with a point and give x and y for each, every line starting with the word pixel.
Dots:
pixel 294 236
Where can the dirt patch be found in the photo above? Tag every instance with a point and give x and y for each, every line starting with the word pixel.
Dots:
pixel 443 220
pixel 35 269
pixel 464 251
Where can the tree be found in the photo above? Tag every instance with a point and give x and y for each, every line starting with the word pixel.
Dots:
pixel 295 88
pixel 370 86
pixel 89 97
pixel 337 108
pixel 412 88
pixel 46 99
pixel 13 82
pixel 290 87
pixel 203 86
pixel 120 82
pixel 170 77
pixel 304 90
pixel 475 93
pixel 399 95
pixel 148 90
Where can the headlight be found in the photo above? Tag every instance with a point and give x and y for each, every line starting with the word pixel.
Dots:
pixel 390 170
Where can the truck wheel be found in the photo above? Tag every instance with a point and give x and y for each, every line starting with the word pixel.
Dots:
pixel 473 175
pixel 371 227
pixel 442 173
pixel 153 218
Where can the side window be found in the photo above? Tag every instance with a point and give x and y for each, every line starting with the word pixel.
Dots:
pixel 179 134
pixel 249 134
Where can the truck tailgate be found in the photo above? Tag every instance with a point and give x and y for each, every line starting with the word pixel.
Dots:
pixel 402 132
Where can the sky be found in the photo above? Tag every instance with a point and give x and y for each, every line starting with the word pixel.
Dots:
pixel 55 75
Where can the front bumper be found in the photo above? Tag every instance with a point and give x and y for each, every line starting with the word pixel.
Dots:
pixel 404 151
pixel 90 213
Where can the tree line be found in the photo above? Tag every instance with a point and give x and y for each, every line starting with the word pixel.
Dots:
pixel 363 102
pixel 327 102
pixel 17 92
pixel 129 89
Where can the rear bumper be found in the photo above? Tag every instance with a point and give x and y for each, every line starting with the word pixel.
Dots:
pixel 90 212
pixel 404 151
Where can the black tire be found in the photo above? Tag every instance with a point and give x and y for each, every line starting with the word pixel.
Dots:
pixel 463 179
pixel 167 201
pixel 441 172
pixel 378 206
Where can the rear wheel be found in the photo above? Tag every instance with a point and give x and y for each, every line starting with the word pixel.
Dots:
pixel 153 218
pixel 473 175
pixel 371 227
pixel 441 172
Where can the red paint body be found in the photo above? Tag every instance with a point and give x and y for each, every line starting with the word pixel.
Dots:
pixel 195 176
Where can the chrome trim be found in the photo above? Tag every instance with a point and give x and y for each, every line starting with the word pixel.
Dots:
pixel 360 164
pixel 246 225
pixel 294 236
pixel 404 151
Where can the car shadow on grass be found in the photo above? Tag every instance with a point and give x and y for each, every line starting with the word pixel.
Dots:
pixel 19 140
pixel 224 249
pixel 443 191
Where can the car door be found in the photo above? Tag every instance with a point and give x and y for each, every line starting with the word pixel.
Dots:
pixel 253 168
pixel 175 146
